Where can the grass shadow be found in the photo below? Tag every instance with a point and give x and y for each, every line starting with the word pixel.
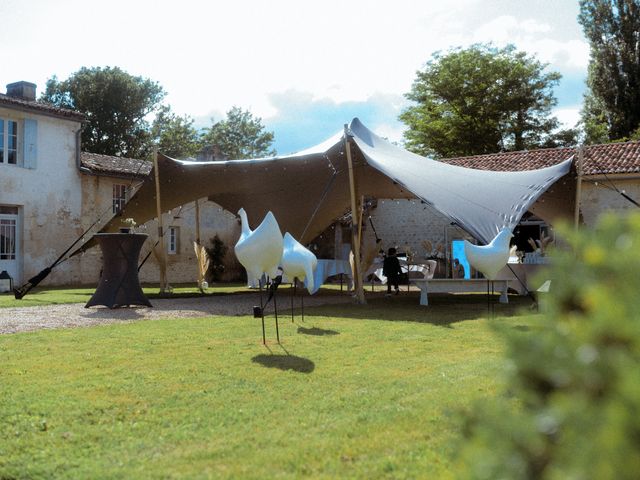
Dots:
pixel 444 310
pixel 320 332
pixel 285 362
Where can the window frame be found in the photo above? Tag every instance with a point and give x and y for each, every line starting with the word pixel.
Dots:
pixel 8 237
pixel 119 194
pixel 173 240
pixel 5 140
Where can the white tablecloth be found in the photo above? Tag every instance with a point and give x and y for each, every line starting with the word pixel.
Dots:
pixel 423 268
pixel 326 268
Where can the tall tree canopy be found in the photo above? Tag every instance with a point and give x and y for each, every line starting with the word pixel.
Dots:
pixel 240 135
pixel 116 105
pixel 175 135
pixel 613 101
pixel 482 100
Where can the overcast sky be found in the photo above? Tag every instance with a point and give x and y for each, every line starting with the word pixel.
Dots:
pixel 304 67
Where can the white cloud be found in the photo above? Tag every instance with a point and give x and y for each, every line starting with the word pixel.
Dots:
pixel 536 38
pixel 568 116
pixel 210 56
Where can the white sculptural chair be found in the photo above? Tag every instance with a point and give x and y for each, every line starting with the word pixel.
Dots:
pixel 259 251
pixel 299 263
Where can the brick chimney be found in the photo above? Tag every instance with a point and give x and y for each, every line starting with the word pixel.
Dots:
pixel 22 90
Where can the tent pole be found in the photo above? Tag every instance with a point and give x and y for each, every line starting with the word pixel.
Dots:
pixel 576 213
pixel 355 238
pixel 163 258
pixel 360 217
pixel 201 274
pixel 197 222
pixel 360 207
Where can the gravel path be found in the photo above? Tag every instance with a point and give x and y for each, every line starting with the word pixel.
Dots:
pixel 24 319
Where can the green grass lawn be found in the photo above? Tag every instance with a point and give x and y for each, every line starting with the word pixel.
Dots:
pixel 58 295
pixel 369 392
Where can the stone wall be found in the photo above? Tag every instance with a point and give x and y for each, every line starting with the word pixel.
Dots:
pixel 47 197
pixel 413 224
pixel 181 266
pixel 599 196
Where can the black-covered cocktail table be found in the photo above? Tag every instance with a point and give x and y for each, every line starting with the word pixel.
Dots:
pixel 119 285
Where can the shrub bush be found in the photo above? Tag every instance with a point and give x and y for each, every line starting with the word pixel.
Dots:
pixel 216 253
pixel 572 406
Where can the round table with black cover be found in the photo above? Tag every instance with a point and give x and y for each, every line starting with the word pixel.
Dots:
pixel 119 285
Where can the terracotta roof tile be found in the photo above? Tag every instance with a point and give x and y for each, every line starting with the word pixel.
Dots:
pixel 109 165
pixel 607 158
pixel 610 158
pixel 40 107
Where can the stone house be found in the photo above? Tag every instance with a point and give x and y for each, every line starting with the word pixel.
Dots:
pixel 106 183
pixel 51 192
pixel 40 189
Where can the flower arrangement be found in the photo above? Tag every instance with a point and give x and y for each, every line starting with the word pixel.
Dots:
pixel 432 253
pixel 130 225
pixel 540 246
pixel 409 252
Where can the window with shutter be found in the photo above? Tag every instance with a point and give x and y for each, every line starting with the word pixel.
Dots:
pixel 8 141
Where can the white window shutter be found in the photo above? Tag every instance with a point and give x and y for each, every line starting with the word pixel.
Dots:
pixel 30 143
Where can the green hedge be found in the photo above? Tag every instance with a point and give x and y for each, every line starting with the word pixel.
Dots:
pixel 572 406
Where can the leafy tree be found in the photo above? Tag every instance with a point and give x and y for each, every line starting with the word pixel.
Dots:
pixel 240 135
pixel 612 28
pixel 594 120
pixel 175 135
pixel 115 103
pixel 571 407
pixel 481 100
pixel 567 137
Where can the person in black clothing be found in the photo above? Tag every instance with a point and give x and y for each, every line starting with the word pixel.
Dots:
pixel 391 269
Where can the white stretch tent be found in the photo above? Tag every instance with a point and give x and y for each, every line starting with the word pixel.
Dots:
pixel 482 202
pixel 307 191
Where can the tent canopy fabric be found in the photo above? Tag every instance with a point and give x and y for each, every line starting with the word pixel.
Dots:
pixel 482 202
pixel 308 190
